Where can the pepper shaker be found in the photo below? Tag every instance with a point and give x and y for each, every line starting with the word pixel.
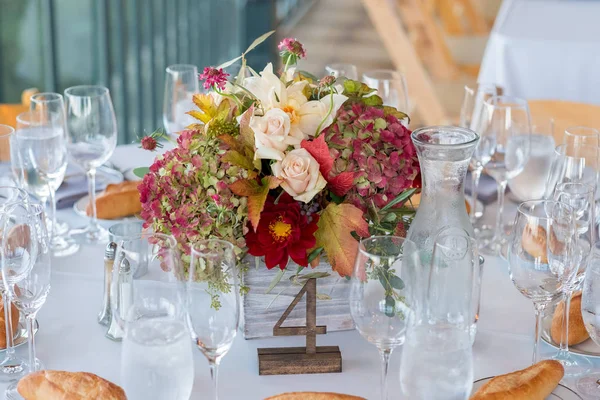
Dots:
pixel 105 315
pixel 123 295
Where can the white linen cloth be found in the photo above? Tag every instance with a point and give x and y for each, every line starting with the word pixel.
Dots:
pixel 545 49
pixel 69 337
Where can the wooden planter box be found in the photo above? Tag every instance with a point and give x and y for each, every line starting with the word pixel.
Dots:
pixel 260 311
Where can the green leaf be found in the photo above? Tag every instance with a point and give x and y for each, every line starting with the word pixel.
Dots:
pixel 323 296
pixel 396 282
pixel 141 171
pixel 275 280
pixel 351 86
pixel 390 217
pixel 401 197
pixel 228 63
pixel 308 75
pixel 314 254
pixel 258 41
pixel 336 199
pixel 390 306
pixel 373 100
pixel 315 275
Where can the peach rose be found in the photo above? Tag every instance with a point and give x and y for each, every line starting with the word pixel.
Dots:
pixel 272 134
pixel 300 175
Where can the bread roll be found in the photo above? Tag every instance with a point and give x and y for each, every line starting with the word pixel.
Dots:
pixel 117 201
pixel 122 187
pixel 534 383
pixel 14 316
pixel 62 385
pixel 534 242
pixel 577 331
pixel 313 396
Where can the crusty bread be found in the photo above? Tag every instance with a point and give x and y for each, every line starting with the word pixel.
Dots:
pixel 14 316
pixel 534 242
pixel 577 331
pixel 534 383
pixel 313 396
pixel 63 385
pixel 117 201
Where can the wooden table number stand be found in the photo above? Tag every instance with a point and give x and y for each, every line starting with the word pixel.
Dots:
pixel 311 359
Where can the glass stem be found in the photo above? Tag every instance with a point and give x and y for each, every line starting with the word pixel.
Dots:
pixel 30 318
pixel 214 370
pixel 475 175
pixel 500 212
pixel 539 310
pixel 10 351
pixel 52 198
pixel 385 362
pixel 91 177
pixel 564 337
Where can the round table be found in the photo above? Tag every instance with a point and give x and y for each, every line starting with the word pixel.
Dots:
pixel 69 337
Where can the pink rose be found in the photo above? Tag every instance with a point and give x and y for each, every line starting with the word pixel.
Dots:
pixel 272 134
pixel 300 175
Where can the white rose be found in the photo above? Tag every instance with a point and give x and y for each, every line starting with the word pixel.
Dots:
pixel 300 175
pixel 272 134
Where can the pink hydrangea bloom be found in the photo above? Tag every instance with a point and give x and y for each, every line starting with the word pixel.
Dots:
pixel 293 46
pixel 214 77
pixel 149 143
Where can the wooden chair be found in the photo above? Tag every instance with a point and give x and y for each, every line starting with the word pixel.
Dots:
pixel 565 114
pixel 8 116
pixel 461 17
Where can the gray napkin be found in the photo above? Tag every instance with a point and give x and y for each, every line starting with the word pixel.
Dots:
pixel 488 189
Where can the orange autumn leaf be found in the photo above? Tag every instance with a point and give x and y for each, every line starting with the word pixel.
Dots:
pixel 256 194
pixel 336 224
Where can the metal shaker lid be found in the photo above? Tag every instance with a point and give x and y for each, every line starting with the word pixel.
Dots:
pixel 111 251
pixel 124 267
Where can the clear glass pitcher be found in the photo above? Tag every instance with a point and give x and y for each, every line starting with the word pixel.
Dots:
pixel 444 154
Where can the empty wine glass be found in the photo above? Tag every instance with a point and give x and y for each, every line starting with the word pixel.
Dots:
pixel 181 83
pixel 590 311
pixel 540 255
pixel 508 120
pixel 581 199
pixel 26 271
pixel 213 318
pixel 437 360
pixel 341 70
pixel 390 86
pixel 582 135
pixel 13 201
pixel 156 357
pixel 41 144
pixel 378 296
pixel 573 163
pixel 471 113
pixel 92 138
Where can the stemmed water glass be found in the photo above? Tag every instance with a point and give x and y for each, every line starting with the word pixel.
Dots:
pixel 13 201
pixel 42 157
pixel 471 113
pixel 390 86
pixel 540 255
pixel 156 358
pixel 378 296
pixel 213 318
pixel 26 270
pixel 582 135
pixel 437 360
pixel 508 120
pixel 342 70
pixel 181 83
pixel 92 138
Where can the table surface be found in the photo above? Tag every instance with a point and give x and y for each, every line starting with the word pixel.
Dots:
pixel 69 337
pixel 545 49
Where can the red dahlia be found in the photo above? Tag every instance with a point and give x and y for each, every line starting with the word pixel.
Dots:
pixel 282 232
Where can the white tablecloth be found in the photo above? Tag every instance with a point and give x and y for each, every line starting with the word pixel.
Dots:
pixel 69 337
pixel 546 49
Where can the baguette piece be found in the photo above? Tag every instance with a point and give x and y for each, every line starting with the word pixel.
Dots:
pixel 63 385
pixel 117 201
pixel 314 396
pixel 122 187
pixel 534 383
pixel 577 331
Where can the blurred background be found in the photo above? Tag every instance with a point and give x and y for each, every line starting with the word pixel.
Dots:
pixel 127 44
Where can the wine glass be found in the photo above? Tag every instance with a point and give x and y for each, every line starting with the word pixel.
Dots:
pixel 342 70
pixel 390 86
pixel 437 360
pixel 590 311
pixel 582 135
pixel 378 294
pixel 156 357
pixel 92 138
pixel 508 120
pixel 573 163
pixel 41 144
pixel 181 83
pixel 213 318
pixel 580 197
pixel 13 201
pixel 471 113
pixel 540 255
pixel 26 271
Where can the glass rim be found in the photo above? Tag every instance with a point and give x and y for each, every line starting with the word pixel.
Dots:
pixel 589 188
pixel 6 130
pixel 99 91
pixel 521 208
pixel 361 243
pixel 513 100
pixel 418 131
pixel 177 68
pixel 22 192
pixel 224 243
pixel 163 236
pixel 123 223
pixel 384 75
pixel 582 128
pixel 475 88
pixel 561 149
pixel 37 97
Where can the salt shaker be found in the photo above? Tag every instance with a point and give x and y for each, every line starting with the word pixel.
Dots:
pixel 105 315
pixel 123 296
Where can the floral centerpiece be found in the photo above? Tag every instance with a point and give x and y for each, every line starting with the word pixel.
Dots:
pixel 285 166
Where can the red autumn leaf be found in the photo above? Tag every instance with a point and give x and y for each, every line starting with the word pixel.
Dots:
pixel 341 184
pixel 319 150
pixel 256 194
